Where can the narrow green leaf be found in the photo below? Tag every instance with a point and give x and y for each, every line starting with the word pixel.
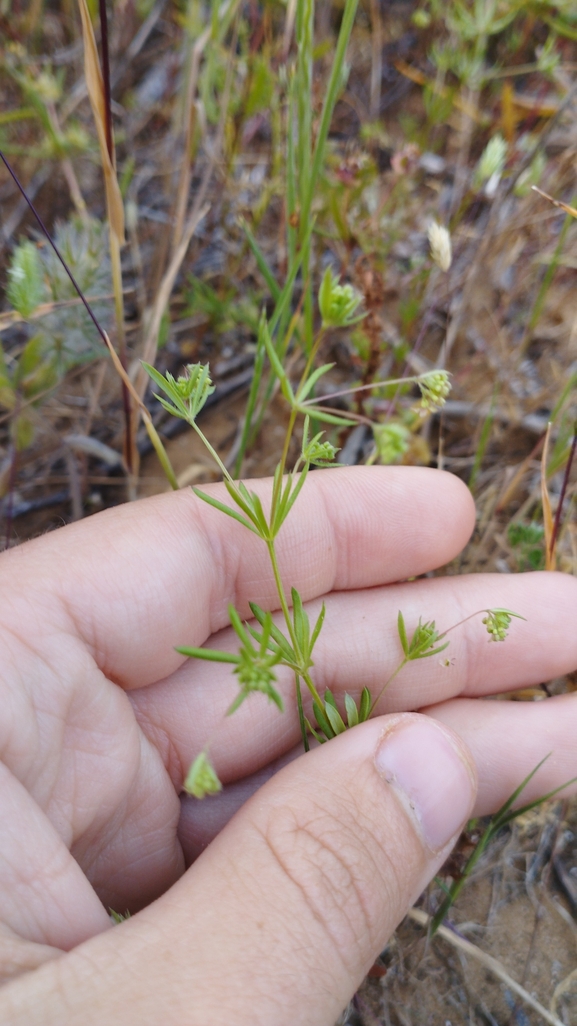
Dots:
pixel 352 711
pixel 280 513
pixel 311 381
pixel 402 633
pixel 335 719
pixel 224 509
pixel 328 418
pixel 495 609
pixel 330 699
pixel 513 798
pixel 365 705
pixel 239 629
pixel 259 515
pixel 276 634
pixel 301 624
pixel 261 261
pixel 240 495
pixel 432 652
pixel 175 411
pixel 286 294
pixel 274 360
pixel 318 627
pixel 322 720
pixel 317 737
pixel 302 721
pixel 296 491
pixel 158 378
pixel 212 655
pixel 534 804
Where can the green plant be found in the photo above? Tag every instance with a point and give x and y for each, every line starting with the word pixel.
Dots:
pixel 505 815
pixel 254 664
pixel 58 330
pixel 263 646
pixel 527 540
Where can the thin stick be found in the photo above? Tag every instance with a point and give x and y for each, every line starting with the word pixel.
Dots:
pixel 106 78
pixel 45 231
pixel 559 511
pixel 490 963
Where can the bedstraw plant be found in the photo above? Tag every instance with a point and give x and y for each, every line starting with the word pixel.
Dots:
pixel 263 646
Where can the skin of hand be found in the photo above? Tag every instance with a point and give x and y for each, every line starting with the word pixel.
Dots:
pixel 298 877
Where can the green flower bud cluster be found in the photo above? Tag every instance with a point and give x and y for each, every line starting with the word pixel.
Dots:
pixel 392 441
pixel 255 673
pixel 320 454
pixel 497 622
pixel 187 394
pixel 337 303
pixel 435 387
pixel 201 778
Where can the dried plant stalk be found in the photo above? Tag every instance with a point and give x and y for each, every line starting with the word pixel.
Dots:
pixel 97 93
pixel 548 522
pixel 95 86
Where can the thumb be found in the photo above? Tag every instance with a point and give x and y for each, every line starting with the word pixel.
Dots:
pixel 282 916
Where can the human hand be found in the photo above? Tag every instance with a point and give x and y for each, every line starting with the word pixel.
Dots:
pixel 281 916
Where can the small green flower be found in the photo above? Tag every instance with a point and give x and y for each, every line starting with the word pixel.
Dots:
pixel 255 673
pixel 498 621
pixel 435 387
pixel 187 393
pixel 425 638
pixel 337 303
pixel 201 778
pixel 320 454
pixel 391 440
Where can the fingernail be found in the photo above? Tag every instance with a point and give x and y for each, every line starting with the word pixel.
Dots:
pixel 431 775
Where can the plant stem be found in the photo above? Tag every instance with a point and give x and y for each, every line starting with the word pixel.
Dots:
pixel 385 686
pixel 282 597
pixel 213 453
pixel 301 713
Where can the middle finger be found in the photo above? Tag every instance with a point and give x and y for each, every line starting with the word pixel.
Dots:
pixel 359 647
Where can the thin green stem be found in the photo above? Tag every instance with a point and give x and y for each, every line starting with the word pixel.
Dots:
pixel 301 713
pixel 385 686
pixel 363 388
pixel 282 597
pixel 213 453
pixel 310 685
pixel 286 613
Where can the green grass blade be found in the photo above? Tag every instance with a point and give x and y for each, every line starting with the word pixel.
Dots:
pixel 272 284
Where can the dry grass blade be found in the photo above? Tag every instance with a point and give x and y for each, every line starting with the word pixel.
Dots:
pixel 490 963
pixel 139 405
pixel 188 121
pixel 556 203
pixel 548 521
pixel 95 86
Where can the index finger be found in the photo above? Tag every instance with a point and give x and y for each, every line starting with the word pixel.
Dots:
pixel 142 578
